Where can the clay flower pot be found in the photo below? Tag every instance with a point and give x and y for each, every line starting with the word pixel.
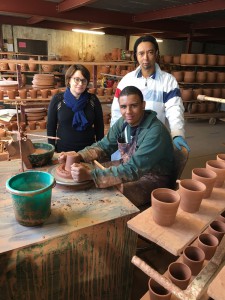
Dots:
pixel 42 124
pixel 207 92
pixel 211 107
pixel 165 203
pixel 186 94
pixel 167 59
pixel 202 107
pixel 194 258
pixel 189 76
pixel 222 217
pixel 11 94
pixel 183 59
pixel 2 132
pixel 201 59
pixel 32 125
pixel 206 176
pixel 211 60
pixel 179 75
pixel 12 66
pixel 158 292
pixel 176 60
pixel 44 93
pixel 208 243
pixel 216 92
pixel 33 93
pixel 191 192
pixel 201 76
pixel 221 60
pixel 180 274
pixel 220 77
pixel 197 92
pixel 211 76
pixel 219 168
pixel 31 65
pixel 101 91
pixel 54 92
pixel 217 228
pixel 190 59
pixel 23 94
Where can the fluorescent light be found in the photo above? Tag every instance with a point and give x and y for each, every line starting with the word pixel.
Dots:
pixel 159 40
pixel 89 31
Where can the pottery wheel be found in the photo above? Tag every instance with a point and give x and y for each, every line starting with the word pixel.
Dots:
pixel 69 181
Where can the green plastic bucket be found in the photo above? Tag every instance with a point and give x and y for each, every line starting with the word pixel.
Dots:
pixel 31 195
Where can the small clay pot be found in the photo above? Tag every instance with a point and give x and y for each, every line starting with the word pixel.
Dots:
pixel 42 124
pixel 11 94
pixel 109 91
pixel 221 60
pixel 201 76
pixel 180 274
pixel 211 107
pixel 194 108
pixel 211 60
pixel 201 59
pixel 71 158
pixel 220 77
pixel 179 75
pixel 207 92
pixel 183 59
pixel 32 125
pixel 186 94
pixel 165 203
pixel 12 66
pixel 211 76
pixel 190 59
pixel 189 76
pixel 216 92
pixel 158 292
pixel 208 243
pixel 33 93
pixel 44 93
pixel 194 258
pixel 206 176
pixel 219 168
pixel 222 217
pixel 23 94
pixel 101 91
pixel 191 192
pixel 1 94
pixel 176 60
pixel 2 132
pixel 54 92
pixel 217 228
pixel 202 107
pixel 197 92
pixel 168 59
pixel 92 90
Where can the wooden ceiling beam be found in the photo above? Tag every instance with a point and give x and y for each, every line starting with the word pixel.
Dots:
pixel 35 20
pixel 209 24
pixel 181 10
pixel 68 5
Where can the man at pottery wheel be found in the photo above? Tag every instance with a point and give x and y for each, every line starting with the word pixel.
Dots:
pixel 146 149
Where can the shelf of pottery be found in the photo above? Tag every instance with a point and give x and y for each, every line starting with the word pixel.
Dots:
pixel 190 225
pixel 199 74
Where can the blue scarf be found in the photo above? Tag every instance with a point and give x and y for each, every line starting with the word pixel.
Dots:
pixel 79 122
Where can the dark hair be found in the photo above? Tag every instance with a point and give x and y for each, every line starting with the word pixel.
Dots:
pixel 72 69
pixel 131 90
pixel 145 38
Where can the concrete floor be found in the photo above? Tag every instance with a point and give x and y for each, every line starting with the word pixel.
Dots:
pixel 205 141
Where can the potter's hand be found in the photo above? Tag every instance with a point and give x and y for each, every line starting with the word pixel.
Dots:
pixel 62 158
pixel 180 141
pixel 80 173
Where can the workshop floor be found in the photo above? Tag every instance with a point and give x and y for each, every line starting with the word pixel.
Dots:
pixel 205 141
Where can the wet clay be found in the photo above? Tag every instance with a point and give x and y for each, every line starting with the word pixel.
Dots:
pixel 63 170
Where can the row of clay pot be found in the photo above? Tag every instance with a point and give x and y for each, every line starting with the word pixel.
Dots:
pixel 4 66
pixel 200 107
pixel 199 77
pixel 13 126
pixel 32 93
pixel 118 70
pixel 101 91
pixel 195 59
pixel 191 261
pixel 188 94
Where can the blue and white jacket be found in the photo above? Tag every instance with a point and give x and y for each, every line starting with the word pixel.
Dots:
pixel 161 93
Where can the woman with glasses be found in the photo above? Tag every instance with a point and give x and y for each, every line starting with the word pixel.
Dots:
pixel 75 116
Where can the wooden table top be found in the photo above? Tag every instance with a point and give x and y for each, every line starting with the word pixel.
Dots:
pixel 71 210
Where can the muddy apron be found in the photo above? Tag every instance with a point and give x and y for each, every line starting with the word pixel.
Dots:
pixel 139 192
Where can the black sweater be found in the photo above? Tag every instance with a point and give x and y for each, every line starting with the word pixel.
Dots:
pixel 60 124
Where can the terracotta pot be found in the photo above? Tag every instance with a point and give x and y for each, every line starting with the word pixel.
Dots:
pixel 183 59
pixel 33 93
pixel 92 90
pixel 201 76
pixel 219 168
pixel 216 93
pixel 194 258
pixel 47 68
pixel 208 243
pixel 112 71
pixel 108 91
pixel 206 176
pixel 207 92
pixel 190 59
pixel 180 274
pixel 221 60
pixel 44 93
pixel 165 203
pixel 222 217
pixel 201 59
pixel 158 292
pixel 32 66
pixel 211 107
pixel 42 124
pixel 23 67
pixel 168 59
pixel 179 75
pixel 105 69
pixel 189 76
pixel 220 77
pixel 194 108
pixel 11 94
pixel 211 76
pixel 176 60
pixel 211 60
pixel 54 92
pixel 191 192
pixel 23 94
pixel 32 125
pixel 3 66
pixel 202 107
pixel 197 92
pixel 217 228
pixel 12 66
pixel 2 132
pixel 71 158
pixel 186 94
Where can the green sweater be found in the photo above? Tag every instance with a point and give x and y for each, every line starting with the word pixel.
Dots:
pixel 154 153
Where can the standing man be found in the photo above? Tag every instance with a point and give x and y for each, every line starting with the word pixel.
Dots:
pixel 160 89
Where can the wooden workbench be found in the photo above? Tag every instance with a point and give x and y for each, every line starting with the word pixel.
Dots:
pixel 83 251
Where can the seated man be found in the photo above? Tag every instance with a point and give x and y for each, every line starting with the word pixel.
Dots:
pixel 146 149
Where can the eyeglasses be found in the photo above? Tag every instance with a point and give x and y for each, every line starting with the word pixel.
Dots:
pixel 78 80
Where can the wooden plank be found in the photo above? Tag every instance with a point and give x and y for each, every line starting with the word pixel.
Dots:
pixel 216 289
pixel 186 227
